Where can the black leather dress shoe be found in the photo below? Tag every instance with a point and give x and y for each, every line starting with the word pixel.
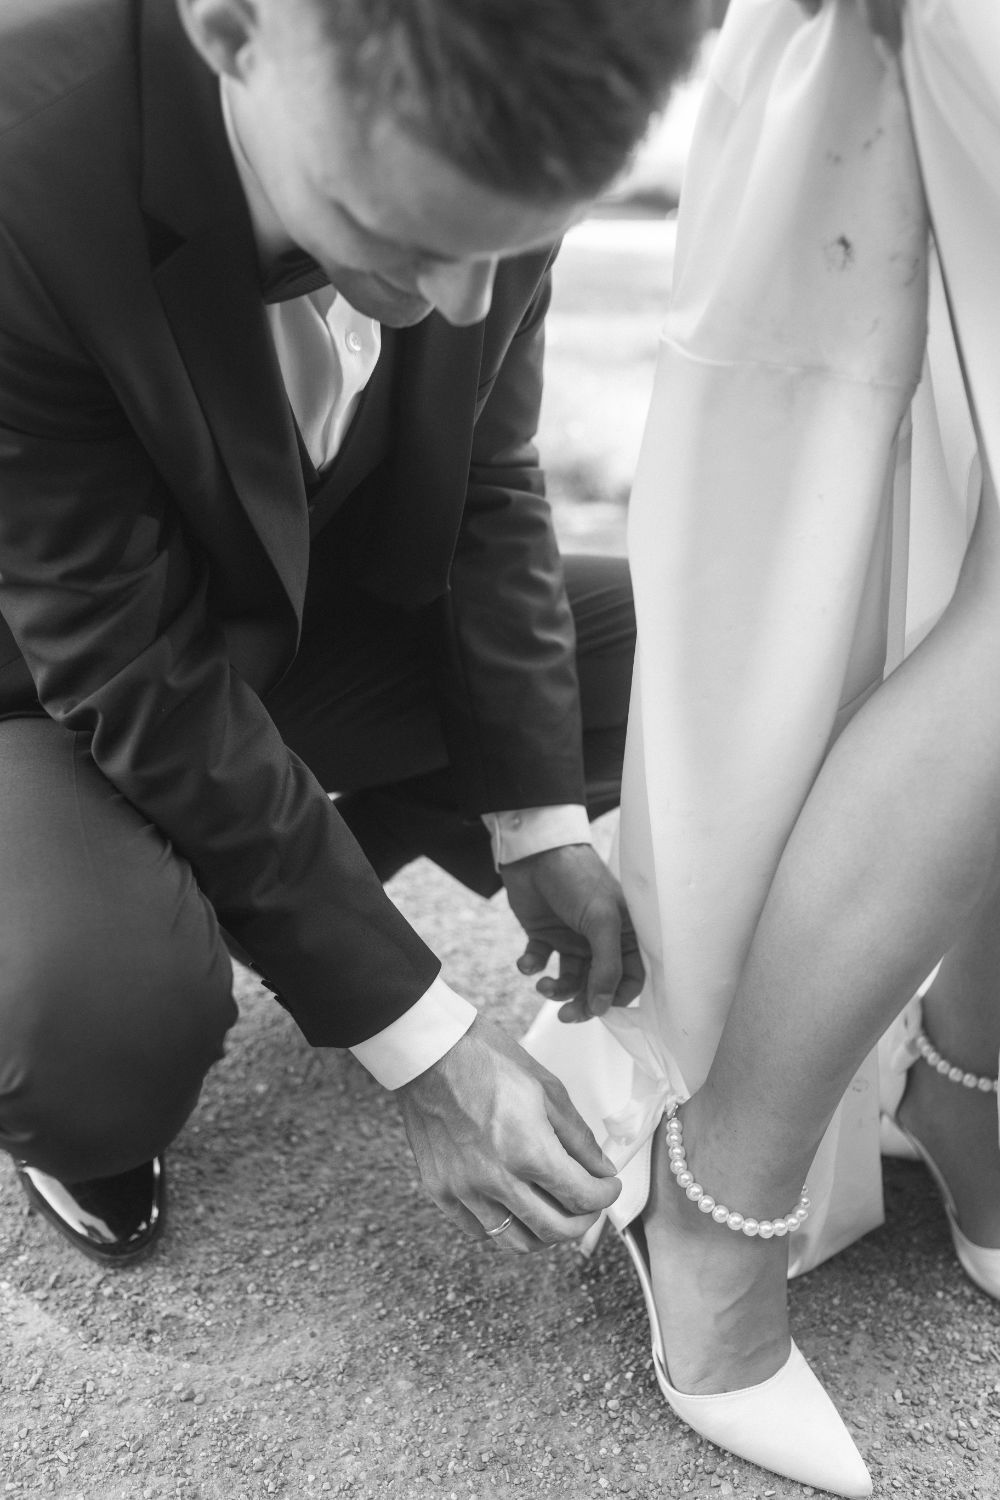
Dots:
pixel 114 1220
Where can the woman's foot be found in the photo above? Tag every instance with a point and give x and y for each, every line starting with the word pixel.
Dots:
pixel 958 1129
pixel 721 1349
pixel 721 1296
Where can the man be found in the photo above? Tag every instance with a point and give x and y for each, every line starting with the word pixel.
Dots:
pixel 272 282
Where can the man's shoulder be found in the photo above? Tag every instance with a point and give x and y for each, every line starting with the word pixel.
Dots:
pixel 68 149
pixel 49 49
pixel 520 299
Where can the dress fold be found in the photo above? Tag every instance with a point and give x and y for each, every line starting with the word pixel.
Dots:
pixel 801 506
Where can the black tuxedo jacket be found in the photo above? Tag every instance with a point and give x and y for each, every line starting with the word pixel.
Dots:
pixel 154 534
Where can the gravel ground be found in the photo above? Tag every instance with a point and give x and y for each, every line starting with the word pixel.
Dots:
pixel 310 1325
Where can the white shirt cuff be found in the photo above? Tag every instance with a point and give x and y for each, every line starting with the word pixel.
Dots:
pixel 530 830
pixel 418 1038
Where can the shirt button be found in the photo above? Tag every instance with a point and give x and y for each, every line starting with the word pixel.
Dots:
pixel 353 342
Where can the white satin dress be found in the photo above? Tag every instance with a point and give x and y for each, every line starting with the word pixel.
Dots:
pixel 804 495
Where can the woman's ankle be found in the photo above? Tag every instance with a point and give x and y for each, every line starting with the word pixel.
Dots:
pixel 958 1129
pixel 720 1295
pixel 728 1161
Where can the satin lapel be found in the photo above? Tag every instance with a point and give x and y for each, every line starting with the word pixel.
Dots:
pixel 216 318
pixel 438 371
pixel 209 289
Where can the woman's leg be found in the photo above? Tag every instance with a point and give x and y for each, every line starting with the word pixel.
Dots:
pixel 958 1126
pixel 115 986
pixel 891 856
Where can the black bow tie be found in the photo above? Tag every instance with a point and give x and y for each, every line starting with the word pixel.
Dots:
pixel 293 274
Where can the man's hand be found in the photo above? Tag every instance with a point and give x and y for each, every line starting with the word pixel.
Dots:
pixel 885 17
pixel 494 1134
pixel 569 903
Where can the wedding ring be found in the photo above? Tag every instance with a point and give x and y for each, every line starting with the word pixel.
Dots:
pixel 501 1227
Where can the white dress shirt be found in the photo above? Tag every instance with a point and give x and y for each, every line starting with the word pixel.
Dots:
pixel 327 352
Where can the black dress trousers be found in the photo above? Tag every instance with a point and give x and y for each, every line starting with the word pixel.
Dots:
pixel 115 980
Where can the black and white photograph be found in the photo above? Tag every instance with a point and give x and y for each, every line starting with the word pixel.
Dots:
pixel 499 749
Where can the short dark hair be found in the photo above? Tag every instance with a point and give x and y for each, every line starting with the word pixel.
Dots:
pixel 538 98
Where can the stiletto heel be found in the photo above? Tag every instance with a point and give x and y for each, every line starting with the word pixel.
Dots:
pixel 786 1424
pixel 981 1263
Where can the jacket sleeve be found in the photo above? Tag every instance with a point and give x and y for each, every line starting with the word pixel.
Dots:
pixel 109 607
pixel 506 654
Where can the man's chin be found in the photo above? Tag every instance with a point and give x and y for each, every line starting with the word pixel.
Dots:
pixel 392 308
pixel 403 316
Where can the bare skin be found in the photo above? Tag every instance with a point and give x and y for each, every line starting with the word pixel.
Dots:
pixel 494 1134
pixel 892 859
pixel 958 1126
pixel 570 904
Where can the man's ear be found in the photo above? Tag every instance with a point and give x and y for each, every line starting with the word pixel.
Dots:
pixel 220 30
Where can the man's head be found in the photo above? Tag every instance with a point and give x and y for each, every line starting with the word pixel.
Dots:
pixel 407 144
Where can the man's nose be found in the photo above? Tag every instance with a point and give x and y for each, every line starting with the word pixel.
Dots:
pixel 460 292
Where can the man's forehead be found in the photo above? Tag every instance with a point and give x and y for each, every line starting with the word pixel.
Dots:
pixel 400 186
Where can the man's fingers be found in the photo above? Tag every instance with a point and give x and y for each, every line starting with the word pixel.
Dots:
pixel 583 1007
pixel 504 1227
pixel 584 1166
pixel 574 1011
pixel 604 934
pixel 576 1193
pixel 477 1217
pixel 474 1224
pixel 613 976
pixel 493 1132
pixel 535 956
pixel 497 1224
pixel 633 971
pixel 540 1223
pixel 573 971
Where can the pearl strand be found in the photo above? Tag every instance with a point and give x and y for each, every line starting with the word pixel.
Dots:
pixel 951 1071
pixel 765 1229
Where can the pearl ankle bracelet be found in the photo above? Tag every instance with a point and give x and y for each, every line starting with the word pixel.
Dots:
pixel 765 1229
pixel 948 1070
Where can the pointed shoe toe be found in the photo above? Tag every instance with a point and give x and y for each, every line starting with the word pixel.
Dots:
pixel 786 1424
pixel 980 1263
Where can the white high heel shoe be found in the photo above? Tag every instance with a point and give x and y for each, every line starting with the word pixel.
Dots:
pixel 981 1263
pixel 786 1424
